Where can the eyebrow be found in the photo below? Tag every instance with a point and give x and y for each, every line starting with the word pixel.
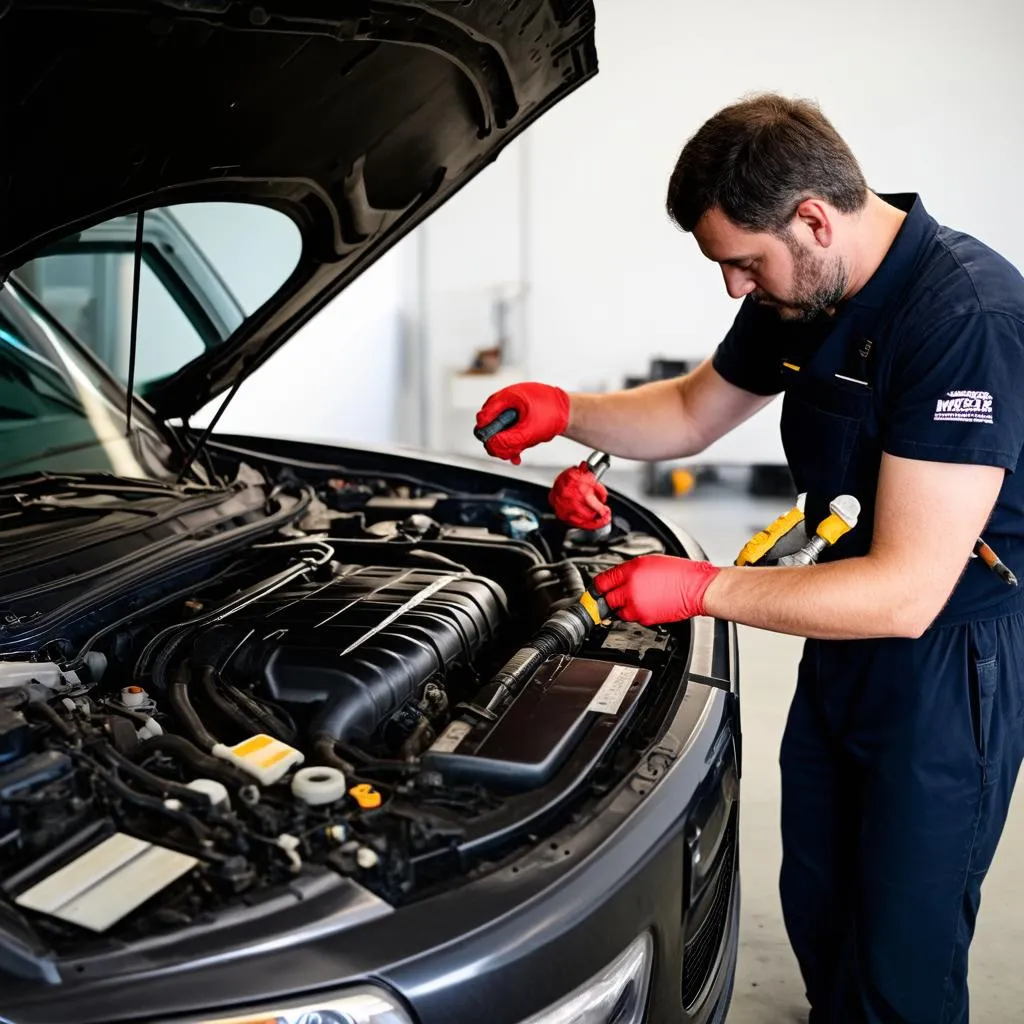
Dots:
pixel 735 261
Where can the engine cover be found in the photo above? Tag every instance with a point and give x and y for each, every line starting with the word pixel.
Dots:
pixel 365 642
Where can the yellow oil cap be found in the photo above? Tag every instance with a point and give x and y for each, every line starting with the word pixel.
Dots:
pixel 366 796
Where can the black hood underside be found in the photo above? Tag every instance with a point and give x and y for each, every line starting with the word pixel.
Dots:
pixel 355 118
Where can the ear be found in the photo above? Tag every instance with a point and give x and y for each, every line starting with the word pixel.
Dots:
pixel 815 218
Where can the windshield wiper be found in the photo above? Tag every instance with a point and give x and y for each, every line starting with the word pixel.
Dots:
pixel 51 503
pixel 100 483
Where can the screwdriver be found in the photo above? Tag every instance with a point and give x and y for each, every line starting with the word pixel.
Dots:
pixel 992 560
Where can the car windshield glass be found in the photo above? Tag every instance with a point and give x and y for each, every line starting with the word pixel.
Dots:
pixel 57 411
pixel 206 268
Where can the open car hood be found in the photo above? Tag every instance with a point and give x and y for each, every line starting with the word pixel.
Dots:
pixel 357 119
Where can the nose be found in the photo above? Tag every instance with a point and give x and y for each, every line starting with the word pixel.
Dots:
pixel 738 283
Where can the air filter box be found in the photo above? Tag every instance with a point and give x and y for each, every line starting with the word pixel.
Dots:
pixel 570 703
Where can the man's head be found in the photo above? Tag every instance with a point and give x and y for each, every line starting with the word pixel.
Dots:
pixel 765 186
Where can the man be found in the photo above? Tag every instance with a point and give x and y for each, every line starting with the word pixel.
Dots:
pixel 899 347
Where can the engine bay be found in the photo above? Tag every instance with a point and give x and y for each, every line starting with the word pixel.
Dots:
pixel 389 683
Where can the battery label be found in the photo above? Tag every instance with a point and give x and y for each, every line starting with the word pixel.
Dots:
pixel 608 699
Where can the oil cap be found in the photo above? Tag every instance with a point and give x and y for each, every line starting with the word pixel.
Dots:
pixel 366 796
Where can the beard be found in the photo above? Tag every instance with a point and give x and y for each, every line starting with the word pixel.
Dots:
pixel 818 286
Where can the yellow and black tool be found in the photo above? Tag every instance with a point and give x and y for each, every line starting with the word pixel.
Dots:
pixel 782 537
pixel 844 512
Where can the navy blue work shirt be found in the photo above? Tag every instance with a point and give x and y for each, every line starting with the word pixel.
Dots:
pixel 945 314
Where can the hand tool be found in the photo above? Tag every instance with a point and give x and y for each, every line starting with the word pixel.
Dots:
pixel 501 422
pixel 992 560
pixel 844 511
pixel 784 536
pixel 598 463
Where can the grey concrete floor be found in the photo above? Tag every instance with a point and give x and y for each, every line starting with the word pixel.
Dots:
pixel 768 986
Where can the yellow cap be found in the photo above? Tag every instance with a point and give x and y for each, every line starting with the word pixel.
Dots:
pixel 832 528
pixel 366 796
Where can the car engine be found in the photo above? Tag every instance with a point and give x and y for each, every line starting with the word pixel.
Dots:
pixel 387 683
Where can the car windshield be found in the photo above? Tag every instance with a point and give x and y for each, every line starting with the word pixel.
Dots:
pixel 205 268
pixel 67 315
pixel 58 411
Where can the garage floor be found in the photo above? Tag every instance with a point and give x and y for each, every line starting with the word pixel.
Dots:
pixel 768 987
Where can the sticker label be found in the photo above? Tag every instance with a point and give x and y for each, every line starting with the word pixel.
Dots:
pixel 451 737
pixel 608 699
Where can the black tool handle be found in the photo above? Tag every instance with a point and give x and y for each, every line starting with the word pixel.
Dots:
pixel 501 422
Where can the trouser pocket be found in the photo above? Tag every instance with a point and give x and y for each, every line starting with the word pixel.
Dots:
pixel 984 677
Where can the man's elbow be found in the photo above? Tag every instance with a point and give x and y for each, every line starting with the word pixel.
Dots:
pixel 913 629
pixel 913 619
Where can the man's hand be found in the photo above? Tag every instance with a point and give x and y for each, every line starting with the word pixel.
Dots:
pixel 543 414
pixel 578 498
pixel 654 589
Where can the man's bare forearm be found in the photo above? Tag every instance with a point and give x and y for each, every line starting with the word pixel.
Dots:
pixel 645 423
pixel 855 598
pixel 666 419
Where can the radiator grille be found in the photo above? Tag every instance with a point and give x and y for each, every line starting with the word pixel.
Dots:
pixel 701 949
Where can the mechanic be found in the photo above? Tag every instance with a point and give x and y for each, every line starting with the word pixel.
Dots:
pixel 898 344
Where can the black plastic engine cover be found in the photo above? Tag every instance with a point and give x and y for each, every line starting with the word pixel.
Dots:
pixel 365 642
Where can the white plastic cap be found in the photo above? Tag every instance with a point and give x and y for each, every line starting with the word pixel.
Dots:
pixel 215 791
pixel 315 786
pixel 367 858
pixel 133 696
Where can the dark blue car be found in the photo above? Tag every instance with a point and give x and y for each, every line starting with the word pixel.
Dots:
pixel 292 732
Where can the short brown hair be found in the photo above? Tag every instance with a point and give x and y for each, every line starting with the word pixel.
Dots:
pixel 758 159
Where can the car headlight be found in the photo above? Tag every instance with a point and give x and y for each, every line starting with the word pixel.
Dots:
pixel 618 995
pixel 363 1005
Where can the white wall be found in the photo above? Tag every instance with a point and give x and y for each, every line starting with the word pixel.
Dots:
pixel 915 89
pixel 340 378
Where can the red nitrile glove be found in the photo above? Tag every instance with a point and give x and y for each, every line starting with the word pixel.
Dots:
pixel 578 498
pixel 654 589
pixel 543 415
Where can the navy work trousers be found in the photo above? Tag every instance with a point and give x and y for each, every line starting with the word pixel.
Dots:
pixel 898 762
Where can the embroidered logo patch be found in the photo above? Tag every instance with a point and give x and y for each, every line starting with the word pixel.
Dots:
pixel 964 407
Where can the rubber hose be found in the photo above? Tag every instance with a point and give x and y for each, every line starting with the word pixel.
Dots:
pixel 166 787
pixel 200 831
pixel 324 753
pixel 572 579
pixel 229 710
pixel 205 765
pixel 178 695
pixel 139 719
pixel 263 716
pixel 66 729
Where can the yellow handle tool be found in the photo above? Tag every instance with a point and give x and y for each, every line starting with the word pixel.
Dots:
pixel 762 543
pixel 843 514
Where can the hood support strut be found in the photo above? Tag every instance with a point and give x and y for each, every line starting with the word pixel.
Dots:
pixel 140 222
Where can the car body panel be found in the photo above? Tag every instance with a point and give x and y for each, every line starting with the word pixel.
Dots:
pixel 356 120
